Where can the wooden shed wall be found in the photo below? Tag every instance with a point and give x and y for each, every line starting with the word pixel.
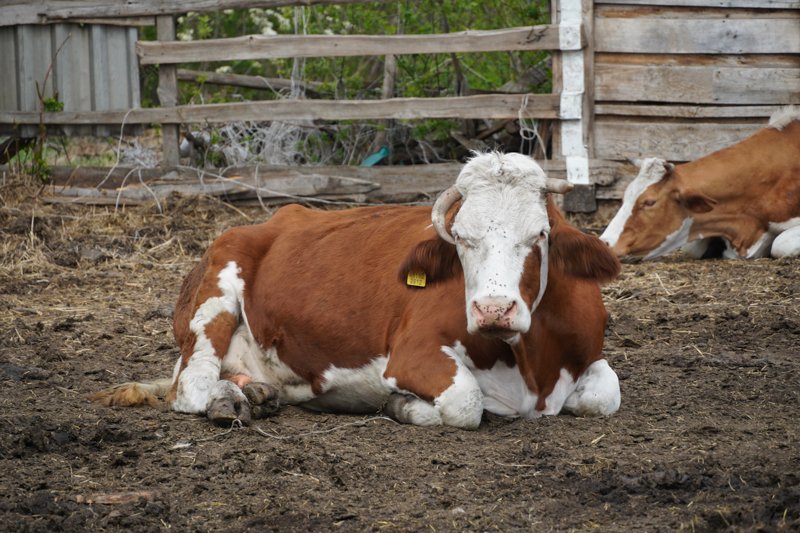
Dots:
pixel 682 78
pixel 95 69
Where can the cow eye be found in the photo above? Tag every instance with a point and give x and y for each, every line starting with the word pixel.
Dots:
pixel 467 243
pixel 649 203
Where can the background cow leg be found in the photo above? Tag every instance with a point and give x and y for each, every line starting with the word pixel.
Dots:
pixel 596 392
pixel 787 243
pixel 263 399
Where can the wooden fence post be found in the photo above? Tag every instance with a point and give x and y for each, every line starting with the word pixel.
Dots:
pixel 168 92
pixel 575 110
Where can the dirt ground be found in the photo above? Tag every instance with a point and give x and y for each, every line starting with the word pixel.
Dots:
pixel 706 438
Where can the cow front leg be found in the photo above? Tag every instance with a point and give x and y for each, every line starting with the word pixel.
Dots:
pixel 596 392
pixel 205 336
pixel 433 389
pixel 228 403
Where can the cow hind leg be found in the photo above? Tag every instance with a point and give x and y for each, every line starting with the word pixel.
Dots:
pixel 133 394
pixel 787 243
pixel 596 392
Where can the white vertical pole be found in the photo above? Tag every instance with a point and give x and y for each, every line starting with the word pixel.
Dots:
pixel 573 148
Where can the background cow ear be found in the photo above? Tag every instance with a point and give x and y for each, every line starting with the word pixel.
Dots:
pixel 697 202
pixel 579 254
pixel 435 257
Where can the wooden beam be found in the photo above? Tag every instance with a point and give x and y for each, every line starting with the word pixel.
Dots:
pixel 756 4
pixel 681 140
pixel 701 84
pixel 460 107
pixel 698 36
pixel 168 94
pixel 545 37
pixel 278 184
pixel 272 184
pixel 687 111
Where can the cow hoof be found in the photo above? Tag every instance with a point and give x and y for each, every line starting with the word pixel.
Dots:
pixel 227 405
pixel 263 399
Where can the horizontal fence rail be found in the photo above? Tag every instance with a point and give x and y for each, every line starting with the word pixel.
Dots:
pixel 491 106
pixel 544 37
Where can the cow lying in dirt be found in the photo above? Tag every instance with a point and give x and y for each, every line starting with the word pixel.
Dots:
pixel 488 301
pixel 747 194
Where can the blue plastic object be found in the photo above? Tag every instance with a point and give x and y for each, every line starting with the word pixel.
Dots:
pixel 377 157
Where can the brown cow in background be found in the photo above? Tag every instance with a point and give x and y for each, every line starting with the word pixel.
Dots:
pixel 748 194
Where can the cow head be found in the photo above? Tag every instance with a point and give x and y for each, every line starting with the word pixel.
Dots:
pixel 495 219
pixel 657 212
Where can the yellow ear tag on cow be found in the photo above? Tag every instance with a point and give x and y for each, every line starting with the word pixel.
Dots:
pixel 416 279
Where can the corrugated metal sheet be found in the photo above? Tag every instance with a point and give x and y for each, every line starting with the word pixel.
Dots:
pixel 95 69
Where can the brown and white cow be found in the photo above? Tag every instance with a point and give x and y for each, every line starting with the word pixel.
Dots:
pixel 309 305
pixel 748 194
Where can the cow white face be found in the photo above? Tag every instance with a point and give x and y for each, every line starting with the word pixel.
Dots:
pixel 655 217
pixel 502 218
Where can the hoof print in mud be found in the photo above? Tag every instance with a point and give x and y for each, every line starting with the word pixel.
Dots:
pixel 263 399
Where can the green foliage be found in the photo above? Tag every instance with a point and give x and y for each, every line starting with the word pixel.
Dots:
pixel 52 105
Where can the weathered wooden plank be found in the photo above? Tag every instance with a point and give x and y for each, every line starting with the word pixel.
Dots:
pixel 697 60
pixel 168 93
pixel 481 106
pixel 34 55
pixel 234 185
pixel 73 70
pixel 8 63
pixel 545 37
pixel 697 84
pixel 756 4
pixel 275 184
pixel 676 141
pixel 101 83
pixel 687 111
pixel 48 11
pixel 132 35
pixel 702 36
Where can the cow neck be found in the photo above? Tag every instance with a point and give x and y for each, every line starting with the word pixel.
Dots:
pixel 523 357
pixel 741 230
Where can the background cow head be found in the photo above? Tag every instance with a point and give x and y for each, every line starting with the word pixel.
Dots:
pixel 499 221
pixel 657 212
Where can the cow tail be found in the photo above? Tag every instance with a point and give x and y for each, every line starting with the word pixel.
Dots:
pixel 133 394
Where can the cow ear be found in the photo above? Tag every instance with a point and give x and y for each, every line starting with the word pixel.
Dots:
pixel 697 202
pixel 580 254
pixel 437 259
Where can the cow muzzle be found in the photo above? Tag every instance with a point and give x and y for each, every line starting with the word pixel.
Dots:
pixel 493 314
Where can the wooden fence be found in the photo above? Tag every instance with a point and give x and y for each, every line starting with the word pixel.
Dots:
pixel 632 78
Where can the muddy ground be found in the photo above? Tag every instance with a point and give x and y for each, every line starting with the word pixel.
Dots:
pixel 707 437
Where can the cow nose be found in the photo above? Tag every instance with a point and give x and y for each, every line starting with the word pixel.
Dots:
pixel 494 313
